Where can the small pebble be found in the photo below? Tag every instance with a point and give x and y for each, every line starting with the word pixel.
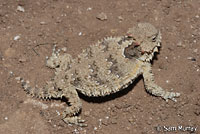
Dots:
pixel 179 44
pixel 191 58
pixel 42 23
pixel 128 128
pixel 131 120
pixel 163 117
pixel 114 121
pixel 11 73
pixel 17 78
pixel 20 8
pixel 64 49
pixel 167 81
pixel 89 9
pixel 17 37
pixel 10 52
pixel 80 33
pixel 195 50
pixel 87 113
pixel 113 31
pixel 23 59
pixel 6 118
pixel 149 122
pixel 120 18
pixel 58 112
pixel 102 16
pixel 107 117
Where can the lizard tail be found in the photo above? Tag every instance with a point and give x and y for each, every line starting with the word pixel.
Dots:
pixel 43 93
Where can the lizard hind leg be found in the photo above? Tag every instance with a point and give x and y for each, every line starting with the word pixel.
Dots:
pixel 70 113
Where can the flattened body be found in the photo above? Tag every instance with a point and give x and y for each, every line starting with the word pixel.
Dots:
pixel 103 69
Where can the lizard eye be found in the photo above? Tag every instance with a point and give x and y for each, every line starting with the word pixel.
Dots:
pixel 130 36
pixel 153 38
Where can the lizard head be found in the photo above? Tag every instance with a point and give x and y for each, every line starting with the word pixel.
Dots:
pixel 146 39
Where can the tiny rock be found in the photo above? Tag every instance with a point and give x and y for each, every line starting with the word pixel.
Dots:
pixel 6 118
pixel 87 113
pixel 20 8
pixel 64 49
pixel 17 78
pixel 22 59
pixel 10 52
pixel 42 23
pixel 89 9
pixel 191 58
pixel 131 120
pixel 179 44
pixel 195 50
pixel 113 31
pixel 114 121
pixel 80 33
pixel 120 18
pixel 102 16
pixel 17 37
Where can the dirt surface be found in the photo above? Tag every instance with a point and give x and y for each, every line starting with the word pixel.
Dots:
pixel 29 29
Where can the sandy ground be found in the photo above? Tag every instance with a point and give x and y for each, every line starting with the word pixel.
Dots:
pixel 29 29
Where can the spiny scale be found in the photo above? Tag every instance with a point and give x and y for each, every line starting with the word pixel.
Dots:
pixel 42 93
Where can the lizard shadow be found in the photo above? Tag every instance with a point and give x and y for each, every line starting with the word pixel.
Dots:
pixel 102 99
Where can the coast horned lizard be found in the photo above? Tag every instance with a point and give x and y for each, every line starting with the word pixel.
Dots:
pixel 104 68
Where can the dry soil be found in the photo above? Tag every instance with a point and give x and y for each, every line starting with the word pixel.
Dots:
pixel 30 28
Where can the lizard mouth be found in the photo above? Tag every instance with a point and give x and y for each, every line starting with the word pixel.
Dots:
pixel 150 55
pixel 155 49
pixel 135 50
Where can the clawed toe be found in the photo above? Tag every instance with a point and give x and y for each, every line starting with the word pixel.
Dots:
pixel 171 96
pixel 75 120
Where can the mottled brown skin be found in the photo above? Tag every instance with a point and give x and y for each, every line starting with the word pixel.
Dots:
pixel 102 69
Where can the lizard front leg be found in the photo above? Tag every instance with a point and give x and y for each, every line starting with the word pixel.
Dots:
pixel 154 89
pixel 75 105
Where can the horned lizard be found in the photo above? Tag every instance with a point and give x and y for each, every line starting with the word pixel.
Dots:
pixel 104 68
